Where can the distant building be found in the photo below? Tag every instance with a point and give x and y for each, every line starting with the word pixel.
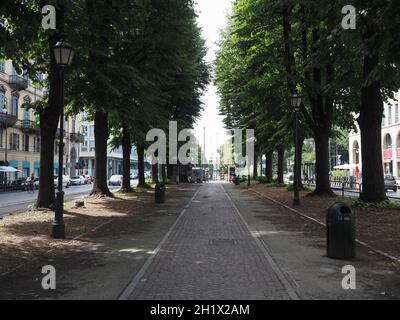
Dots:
pixel 390 139
pixel 87 152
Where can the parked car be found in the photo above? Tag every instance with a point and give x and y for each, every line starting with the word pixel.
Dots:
pixel 77 181
pixel 115 180
pixel 66 182
pixel 390 183
pixel 147 175
pixel 134 174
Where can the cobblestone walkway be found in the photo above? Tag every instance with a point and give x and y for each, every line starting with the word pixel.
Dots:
pixel 210 254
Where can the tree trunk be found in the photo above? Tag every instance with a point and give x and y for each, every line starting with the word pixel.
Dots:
pixel 164 172
pixel 281 164
pixel 255 165
pixel 300 143
pixel 370 121
pixel 126 163
pixel 261 167
pixel 142 181
pixel 49 119
pixel 100 186
pixel 154 172
pixel 269 166
pixel 323 185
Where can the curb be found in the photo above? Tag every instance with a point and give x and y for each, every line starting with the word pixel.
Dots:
pixel 382 253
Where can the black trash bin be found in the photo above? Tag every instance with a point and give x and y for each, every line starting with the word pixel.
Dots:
pixel 341 232
pixel 160 193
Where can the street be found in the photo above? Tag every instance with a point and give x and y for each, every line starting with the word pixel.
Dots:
pixel 12 202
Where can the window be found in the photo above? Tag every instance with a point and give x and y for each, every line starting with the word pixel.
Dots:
pixel 2 66
pixel 2 100
pixel 36 144
pixel 14 106
pixel 91 132
pixel 14 141
pixel 396 114
pixel 92 146
pixel 26 143
pixel 40 78
pixel 390 115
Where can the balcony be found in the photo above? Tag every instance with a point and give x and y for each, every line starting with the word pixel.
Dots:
pixel 18 83
pixel 29 126
pixel 7 120
pixel 58 133
pixel 388 154
pixel 77 137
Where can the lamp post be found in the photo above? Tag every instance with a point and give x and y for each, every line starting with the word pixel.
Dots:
pixel 295 102
pixel 5 112
pixel 63 53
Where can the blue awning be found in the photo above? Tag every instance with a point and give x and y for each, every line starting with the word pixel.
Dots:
pixel 56 166
pixel 26 164
pixel 37 165
pixel 14 164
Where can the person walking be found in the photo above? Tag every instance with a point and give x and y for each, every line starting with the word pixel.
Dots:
pixel 31 183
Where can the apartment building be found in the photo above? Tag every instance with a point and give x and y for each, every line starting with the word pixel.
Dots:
pixel 390 139
pixel 19 128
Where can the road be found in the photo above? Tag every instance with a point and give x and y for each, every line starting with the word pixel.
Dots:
pixel 13 202
pixel 355 194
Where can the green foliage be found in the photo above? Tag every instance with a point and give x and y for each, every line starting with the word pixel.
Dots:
pixel 376 205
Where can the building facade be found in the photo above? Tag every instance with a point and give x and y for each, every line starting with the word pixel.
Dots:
pixel 87 152
pixel 390 139
pixel 19 128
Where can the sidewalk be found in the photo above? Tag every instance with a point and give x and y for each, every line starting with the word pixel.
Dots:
pixel 210 241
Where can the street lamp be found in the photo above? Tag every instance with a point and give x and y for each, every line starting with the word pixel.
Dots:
pixel 5 112
pixel 295 102
pixel 63 53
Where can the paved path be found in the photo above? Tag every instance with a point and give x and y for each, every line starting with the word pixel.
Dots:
pixel 210 253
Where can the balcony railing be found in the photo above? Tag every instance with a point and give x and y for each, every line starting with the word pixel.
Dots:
pixel 30 126
pixel 7 120
pixel 388 154
pixel 58 134
pixel 77 137
pixel 17 82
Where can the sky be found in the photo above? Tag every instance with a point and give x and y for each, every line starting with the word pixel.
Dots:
pixel 212 19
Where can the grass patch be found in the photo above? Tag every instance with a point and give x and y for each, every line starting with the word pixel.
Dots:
pixel 376 205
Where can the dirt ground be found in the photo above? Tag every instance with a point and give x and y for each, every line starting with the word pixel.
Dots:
pixel 25 237
pixel 379 228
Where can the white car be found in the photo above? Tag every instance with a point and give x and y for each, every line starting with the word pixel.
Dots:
pixel 115 180
pixel 77 181
pixel 66 182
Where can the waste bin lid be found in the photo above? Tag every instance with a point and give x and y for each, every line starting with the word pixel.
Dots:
pixel 337 208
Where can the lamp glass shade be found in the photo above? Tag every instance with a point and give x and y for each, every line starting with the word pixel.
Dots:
pixel 63 53
pixel 295 100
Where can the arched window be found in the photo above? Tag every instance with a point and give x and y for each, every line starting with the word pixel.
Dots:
pixel 356 152
pixel 2 99
pixel 14 106
pixel 388 142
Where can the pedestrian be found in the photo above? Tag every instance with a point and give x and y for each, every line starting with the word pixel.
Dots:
pixel 31 183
